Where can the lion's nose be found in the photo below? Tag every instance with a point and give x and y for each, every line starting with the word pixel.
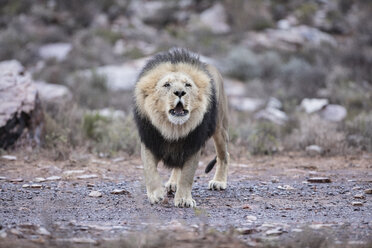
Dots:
pixel 179 93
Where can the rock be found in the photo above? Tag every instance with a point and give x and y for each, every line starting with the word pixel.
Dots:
pixel 83 241
pixel 16 180
pixel 58 51
pixel 319 226
pixel 333 112
pixel 53 93
pixel 251 218
pixel 313 105
pixel 119 77
pixel 39 179
pixel 319 180
pixel 246 231
pixel 119 192
pixel 53 178
pixel 215 19
pixel 36 186
pixel 246 104
pixel 25 186
pixel 9 157
pixel 3 234
pixel 72 172
pixel 20 109
pixel 368 191
pixel 246 206
pixel 357 204
pixel 285 187
pixel 314 150
pixel 359 196
pixel 111 113
pixel 272 114
pixel 289 38
pixel 117 160
pixel 43 231
pixel 87 176
pixel 3 178
pixel 275 231
pixel 95 194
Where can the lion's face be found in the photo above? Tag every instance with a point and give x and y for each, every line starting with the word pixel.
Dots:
pixel 175 99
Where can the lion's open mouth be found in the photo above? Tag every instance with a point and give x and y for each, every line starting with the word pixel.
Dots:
pixel 179 110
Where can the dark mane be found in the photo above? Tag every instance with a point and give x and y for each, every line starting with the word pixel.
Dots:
pixel 174 56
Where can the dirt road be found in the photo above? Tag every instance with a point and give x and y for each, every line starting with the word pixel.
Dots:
pixel 269 201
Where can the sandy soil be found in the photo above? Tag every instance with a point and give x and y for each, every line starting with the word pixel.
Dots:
pixel 269 201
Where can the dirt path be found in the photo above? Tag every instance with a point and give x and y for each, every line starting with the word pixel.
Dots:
pixel 269 201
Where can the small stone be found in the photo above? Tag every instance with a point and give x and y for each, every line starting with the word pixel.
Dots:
pixel 251 218
pixel 119 191
pixel 16 232
pixel 357 204
pixel 314 150
pixel 356 188
pixel 3 234
pixel 16 180
pixel 319 180
pixel 246 206
pixel 117 160
pixel 3 178
pixel 39 179
pixel 90 185
pixel 36 186
pixel 286 187
pixel 359 196
pixel 43 231
pixel 87 176
pixel 9 157
pixel 275 180
pixel 95 194
pixel 368 191
pixel 53 178
pixel 246 231
pixel 26 186
pixel 297 230
pixel 71 172
pixel 275 231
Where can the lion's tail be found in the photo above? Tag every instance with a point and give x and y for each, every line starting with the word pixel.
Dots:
pixel 210 165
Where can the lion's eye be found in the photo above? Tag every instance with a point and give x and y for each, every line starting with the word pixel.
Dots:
pixel 188 85
pixel 166 85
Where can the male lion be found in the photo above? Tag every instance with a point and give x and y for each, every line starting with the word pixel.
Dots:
pixel 179 103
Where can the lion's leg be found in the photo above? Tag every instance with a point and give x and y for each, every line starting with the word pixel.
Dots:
pixel 154 188
pixel 171 185
pixel 219 181
pixel 183 196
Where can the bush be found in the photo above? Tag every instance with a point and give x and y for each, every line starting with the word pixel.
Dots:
pixel 359 132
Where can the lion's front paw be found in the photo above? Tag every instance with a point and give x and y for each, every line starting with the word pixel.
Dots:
pixel 217 185
pixel 171 187
pixel 156 195
pixel 184 202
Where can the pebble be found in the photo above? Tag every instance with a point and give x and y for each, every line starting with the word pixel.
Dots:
pixel 246 206
pixel 39 179
pixel 36 186
pixel 95 194
pixel 286 187
pixel 3 234
pixel 3 178
pixel 251 218
pixel 9 157
pixel 43 231
pixel 359 196
pixel 53 178
pixel 357 203
pixel 368 191
pixel 71 172
pixel 16 180
pixel 26 185
pixel 119 191
pixel 246 231
pixel 87 176
pixel 275 231
pixel 319 180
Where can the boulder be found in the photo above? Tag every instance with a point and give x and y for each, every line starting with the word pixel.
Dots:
pixel 58 51
pixel 213 19
pixel 53 93
pixel 333 112
pixel 273 115
pixel 246 104
pixel 313 105
pixel 20 109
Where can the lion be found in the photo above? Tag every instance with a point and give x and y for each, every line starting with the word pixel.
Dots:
pixel 179 103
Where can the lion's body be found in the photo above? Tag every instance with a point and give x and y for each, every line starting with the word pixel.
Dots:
pixel 179 104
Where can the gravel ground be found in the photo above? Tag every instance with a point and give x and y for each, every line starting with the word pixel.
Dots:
pixel 269 201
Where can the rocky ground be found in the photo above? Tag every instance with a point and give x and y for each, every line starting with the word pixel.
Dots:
pixel 287 200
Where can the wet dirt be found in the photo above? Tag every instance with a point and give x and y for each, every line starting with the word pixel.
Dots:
pixel 267 199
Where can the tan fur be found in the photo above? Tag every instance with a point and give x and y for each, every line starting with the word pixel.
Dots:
pixel 154 102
